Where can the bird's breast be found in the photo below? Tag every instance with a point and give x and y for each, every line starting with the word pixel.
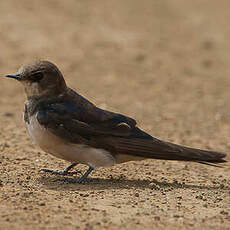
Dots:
pixel 43 138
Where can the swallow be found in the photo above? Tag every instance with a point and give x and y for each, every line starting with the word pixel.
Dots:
pixel 68 126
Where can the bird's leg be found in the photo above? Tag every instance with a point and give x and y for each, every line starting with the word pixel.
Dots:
pixel 82 179
pixel 63 172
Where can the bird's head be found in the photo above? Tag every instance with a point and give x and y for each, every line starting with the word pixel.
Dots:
pixel 40 78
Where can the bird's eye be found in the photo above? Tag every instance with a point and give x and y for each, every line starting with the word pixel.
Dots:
pixel 36 77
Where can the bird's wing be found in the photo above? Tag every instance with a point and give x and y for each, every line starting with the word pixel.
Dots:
pixel 71 122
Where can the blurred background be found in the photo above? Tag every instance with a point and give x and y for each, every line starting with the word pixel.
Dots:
pixel 164 63
pixel 156 60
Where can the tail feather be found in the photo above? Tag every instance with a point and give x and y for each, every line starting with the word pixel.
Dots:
pixel 158 149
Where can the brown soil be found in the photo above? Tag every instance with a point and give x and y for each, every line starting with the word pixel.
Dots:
pixel 165 63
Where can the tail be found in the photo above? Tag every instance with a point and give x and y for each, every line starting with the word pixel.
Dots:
pixel 157 149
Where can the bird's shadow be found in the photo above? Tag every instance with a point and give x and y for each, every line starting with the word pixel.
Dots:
pixel 57 183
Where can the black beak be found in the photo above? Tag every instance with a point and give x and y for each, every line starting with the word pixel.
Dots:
pixel 15 76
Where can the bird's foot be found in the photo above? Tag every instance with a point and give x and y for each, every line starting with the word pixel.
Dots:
pixel 63 172
pixel 77 181
pixel 80 180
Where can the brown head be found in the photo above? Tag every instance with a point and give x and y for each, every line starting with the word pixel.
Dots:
pixel 40 78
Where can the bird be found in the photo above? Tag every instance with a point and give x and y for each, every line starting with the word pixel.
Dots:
pixel 68 126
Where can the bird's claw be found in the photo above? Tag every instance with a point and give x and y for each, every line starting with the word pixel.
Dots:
pixel 62 173
pixel 77 181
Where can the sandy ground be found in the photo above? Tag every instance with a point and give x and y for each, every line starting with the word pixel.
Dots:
pixel 165 63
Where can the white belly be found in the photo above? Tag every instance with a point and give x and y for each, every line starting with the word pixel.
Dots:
pixel 60 148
